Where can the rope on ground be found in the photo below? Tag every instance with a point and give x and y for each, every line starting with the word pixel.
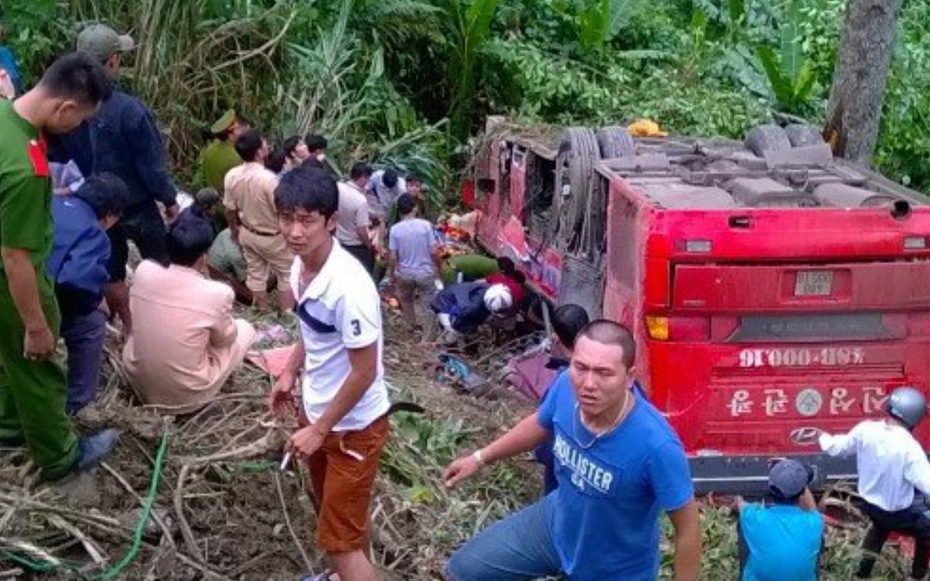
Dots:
pixel 113 572
pixel 49 562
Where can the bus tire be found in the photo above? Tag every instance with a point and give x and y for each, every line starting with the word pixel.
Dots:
pixel 803 135
pixel 615 142
pixel 574 171
pixel 763 139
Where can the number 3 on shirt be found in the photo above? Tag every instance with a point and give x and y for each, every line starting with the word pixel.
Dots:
pixel 356 327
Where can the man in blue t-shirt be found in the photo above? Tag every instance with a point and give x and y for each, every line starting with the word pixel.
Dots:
pixel 781 542
pixel 618 464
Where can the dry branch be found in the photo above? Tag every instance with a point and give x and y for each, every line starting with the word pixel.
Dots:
pixel 287 521
pixel 272 441
pixel 75 532
pixel 166 532
pixel 186 533
pixel 31 550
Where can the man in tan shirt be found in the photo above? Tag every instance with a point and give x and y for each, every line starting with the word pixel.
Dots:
pixel 352 217
pixel 186 343
pixel 250 211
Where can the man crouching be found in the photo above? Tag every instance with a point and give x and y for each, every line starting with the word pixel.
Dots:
pixel 618 464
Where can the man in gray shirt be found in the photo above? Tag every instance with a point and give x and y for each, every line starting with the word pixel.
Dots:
pixel 414 263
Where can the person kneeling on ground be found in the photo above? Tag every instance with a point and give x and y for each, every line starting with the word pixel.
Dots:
pixel 226 263
pixel 508 275
pixel 462 308
pixel 618 463
pixel 894 477
pixel 78 267
pixel 782 542
pixel 187 343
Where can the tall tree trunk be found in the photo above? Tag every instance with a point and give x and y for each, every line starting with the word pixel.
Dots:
pixel 855 107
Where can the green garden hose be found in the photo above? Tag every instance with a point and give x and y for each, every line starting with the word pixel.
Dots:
pixel 133 552
pixel 144 518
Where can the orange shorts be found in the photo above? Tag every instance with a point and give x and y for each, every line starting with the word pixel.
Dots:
pixel 342 474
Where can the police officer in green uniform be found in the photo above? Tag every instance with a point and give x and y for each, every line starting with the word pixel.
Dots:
pixel 219 157
pixel 467 268
pixel 32 384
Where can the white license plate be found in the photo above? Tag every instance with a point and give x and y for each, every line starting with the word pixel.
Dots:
pixel 814 283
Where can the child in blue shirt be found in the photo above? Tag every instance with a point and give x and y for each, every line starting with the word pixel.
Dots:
pixel 78 267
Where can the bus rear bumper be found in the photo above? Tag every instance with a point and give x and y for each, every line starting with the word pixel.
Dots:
pixel 748 475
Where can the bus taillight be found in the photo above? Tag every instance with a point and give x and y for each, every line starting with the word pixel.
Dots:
pixel 678 328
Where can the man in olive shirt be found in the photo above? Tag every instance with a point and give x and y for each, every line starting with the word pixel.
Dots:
pixel 220 155
pixel 32 385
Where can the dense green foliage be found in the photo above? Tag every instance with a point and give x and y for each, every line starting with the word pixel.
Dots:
pixel 407 81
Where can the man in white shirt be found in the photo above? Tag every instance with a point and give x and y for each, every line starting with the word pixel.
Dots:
pixel 894 477
pixel 344 409
pixel 384 187
pixel 352 218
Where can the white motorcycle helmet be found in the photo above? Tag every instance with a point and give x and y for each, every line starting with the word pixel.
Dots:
pixel 498 298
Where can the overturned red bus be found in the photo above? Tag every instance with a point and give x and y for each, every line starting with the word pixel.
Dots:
pixel 773 290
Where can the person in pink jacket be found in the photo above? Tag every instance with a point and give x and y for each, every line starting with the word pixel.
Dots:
pixel 186 343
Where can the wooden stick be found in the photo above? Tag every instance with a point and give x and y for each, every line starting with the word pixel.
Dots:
pixel 287 521
pixel 33 551
pixel 204 432
pixel 250 563
pixel 5 521
pixel 235 439
pixel 98 520
pixel 166 532
pixel 263 445
pixel 75 532
pixel 186 533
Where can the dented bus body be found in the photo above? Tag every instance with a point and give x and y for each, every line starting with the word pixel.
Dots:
pixel 773 290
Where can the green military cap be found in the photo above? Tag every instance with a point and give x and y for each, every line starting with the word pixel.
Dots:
pixel 224 122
